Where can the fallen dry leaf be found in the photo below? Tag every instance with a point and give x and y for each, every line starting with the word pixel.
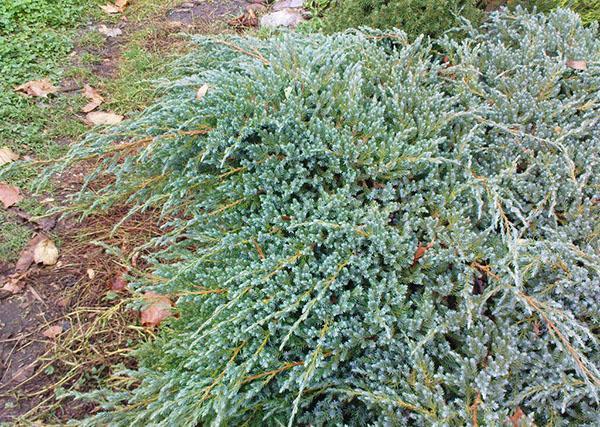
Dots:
pixel 110 9
pixel 91 273
pixel 7 156
pixel 118 283
pixel 246 20
pixel 101 118
pixel 202 91
pixel 157 310
pixel 121 4
pixel 26 257
pixel 45 252
pixel 9 195
pixel 95 99
pixel 109 32
pixel 421 251
pixel 53 331
pixel 577 65
pixel 14 284
pixel 41 88
pixel 515 418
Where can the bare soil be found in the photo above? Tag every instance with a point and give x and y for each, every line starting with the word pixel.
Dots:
pixel 207 11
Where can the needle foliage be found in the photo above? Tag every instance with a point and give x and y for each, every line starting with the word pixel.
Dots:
pixel 415 17
pixel 368 233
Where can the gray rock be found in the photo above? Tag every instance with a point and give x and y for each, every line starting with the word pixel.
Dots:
pixel 289 18
pixel 285 4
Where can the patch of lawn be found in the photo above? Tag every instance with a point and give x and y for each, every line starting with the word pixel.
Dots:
pixel 142 63
pixel 35 38
pixel 12 238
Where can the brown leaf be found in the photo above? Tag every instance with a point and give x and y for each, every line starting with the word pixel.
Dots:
pixel 109 32
pixel 41 88
pixel 245 20
pixel 45 252
pixel 515 418
pixel 7 156
pixel 95 99
pixel 202 91
pixel 111 9
pixel 118 7
pixel 91 93
pixel 53 331
pixel 157 310
pixel 118 282
pixel 91 106
pixel 9 195
pixel 14 284
pixel 26 257
pixel 577 65
pixel 101 118
pixel 421 251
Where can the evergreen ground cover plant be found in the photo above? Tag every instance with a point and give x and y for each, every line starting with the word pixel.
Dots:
pixel 415 17
pixel 589 10
pixel 367 233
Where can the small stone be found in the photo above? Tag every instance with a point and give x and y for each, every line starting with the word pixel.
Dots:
pixel 284 18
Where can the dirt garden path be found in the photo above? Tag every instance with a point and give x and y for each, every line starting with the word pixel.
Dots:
pixel 65 327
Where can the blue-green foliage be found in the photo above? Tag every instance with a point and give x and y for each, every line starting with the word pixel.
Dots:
pixel 328 161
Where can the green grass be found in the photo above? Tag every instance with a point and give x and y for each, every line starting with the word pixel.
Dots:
pixel 135 84
pixel 36 37
pixel 588 9
pixel 36 41
pixel 12 238
pixel 415 17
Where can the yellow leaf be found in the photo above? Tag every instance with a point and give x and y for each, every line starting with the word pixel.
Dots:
pixel 577 65
pixel 7 156
pixel 9 195
pixel 95 99
pixel 110 9
pixel 202 91
pixel 109 32
pixel 53 331
pixel 102 118
pixel 41 88
pixel 45 252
